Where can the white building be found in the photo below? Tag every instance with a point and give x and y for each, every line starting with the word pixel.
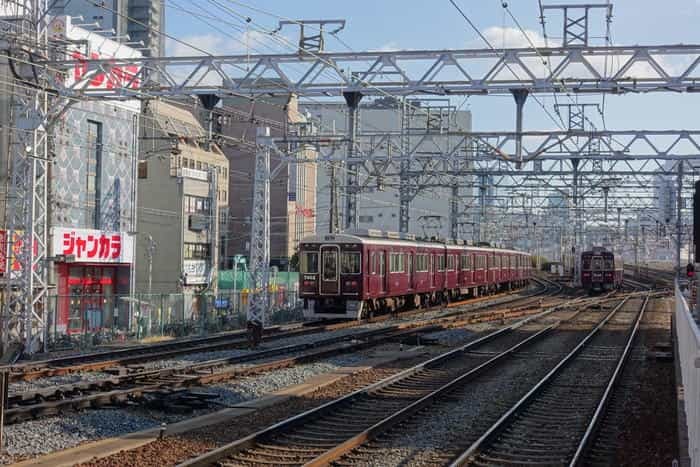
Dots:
pixel 378 203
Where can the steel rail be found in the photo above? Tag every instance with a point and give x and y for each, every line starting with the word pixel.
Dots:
pixel 249 441
pixel 499 425
pixel 58 399
pixel 602 405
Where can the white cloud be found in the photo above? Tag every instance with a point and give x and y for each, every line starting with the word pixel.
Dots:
pixel 253 42
pixel 507 37
pixel 393 46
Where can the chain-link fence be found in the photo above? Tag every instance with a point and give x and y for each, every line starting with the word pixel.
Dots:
pixel 82 321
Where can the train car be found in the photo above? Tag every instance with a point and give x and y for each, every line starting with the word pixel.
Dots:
pixel 359 275
pixel 601 270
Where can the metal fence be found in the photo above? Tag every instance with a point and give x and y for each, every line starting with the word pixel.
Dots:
pixel 688 337
pixel 83 321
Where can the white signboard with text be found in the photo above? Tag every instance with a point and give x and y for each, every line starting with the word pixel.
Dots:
pixel 93 246
pixel 195 271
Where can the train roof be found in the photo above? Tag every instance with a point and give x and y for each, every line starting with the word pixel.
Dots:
pixel 366 240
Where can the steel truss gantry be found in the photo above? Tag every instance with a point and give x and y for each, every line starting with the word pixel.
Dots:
pixel 662 68
pixel 24 307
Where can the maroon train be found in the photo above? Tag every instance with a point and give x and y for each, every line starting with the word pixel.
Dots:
pixel 601 270
pixel 358 275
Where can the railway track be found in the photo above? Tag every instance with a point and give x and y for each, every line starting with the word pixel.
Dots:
pixel 168 381
pixel 554 423
pixel 136 386
pixel 115 359
pixel 325 434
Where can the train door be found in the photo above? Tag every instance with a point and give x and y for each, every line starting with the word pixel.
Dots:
pixel 597 266
pixel 330 279
pixel 381 271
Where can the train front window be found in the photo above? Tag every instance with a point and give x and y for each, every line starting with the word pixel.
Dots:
pixel 609 264
pixel 330 266
pixel 586 262
pixel 597 263
pixel 350 263
pixel 309 262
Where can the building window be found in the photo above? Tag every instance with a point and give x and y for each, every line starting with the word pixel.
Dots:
pixel 198 165
pixel 94 170
pixel 197 251
pixel 143 169
pixel 197 205
pixel 366 219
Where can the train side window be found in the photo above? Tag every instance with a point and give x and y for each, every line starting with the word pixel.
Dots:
pixel 350 263
pixel 372 263
pixel 441 263
pixel 395 260
pixel 466 262
pixel 450 263
pixel 382 265
pixel 422 263
pixel 309 262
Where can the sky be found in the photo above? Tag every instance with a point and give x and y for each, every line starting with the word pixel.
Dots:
pixel 436 24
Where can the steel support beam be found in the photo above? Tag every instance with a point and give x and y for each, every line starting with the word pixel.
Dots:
pixel 260 232
pixel 577 69
pixel 352 178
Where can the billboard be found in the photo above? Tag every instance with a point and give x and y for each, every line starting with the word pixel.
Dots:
pixel 10 252
pixel 93 246
pixel 81 45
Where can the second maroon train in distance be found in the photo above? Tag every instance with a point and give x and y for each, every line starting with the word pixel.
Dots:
pixel 601 270
pixel 358 275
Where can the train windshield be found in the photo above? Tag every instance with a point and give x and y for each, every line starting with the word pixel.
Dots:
pixel 330 266
pixel 586 262
pixel 350 263
pixel 597 263
pixel 309 262
pixel 609 264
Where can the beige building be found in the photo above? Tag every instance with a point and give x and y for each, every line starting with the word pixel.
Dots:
pixel 179 203
pixel 293 209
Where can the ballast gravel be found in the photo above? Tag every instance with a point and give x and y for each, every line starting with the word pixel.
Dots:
pixel 47 435
pixel 37 437
pixel 42 383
